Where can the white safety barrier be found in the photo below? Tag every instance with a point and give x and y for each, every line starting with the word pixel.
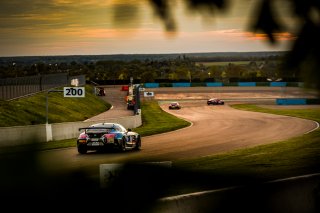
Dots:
pixel 21 135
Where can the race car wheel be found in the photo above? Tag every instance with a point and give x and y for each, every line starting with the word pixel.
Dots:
pixel 123 146
pixel 138 144
pixel 82 149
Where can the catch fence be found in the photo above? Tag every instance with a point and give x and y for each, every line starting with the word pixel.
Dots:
pixel 11 88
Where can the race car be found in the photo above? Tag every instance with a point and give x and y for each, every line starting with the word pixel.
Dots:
pixel 100 91
pixel 102 136
pixel 131 104
pixel 215 101
pixel 174 105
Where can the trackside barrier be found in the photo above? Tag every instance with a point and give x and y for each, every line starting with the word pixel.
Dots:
pixel 22 135
pixel 151 85
pixel 125 88
pixel 214 84
pixel 297 101
pixel 278 84
pixel 296 194
pixel 291 101
pixel 182 84
pixel 247 84
pixel 313 101
pixel 11 88
pixel 220 84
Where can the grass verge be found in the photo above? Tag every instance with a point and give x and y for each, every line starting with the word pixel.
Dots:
pixel 156 121
pixel 296 156
pixel 282 159
pixel 32 109
pixel 293 157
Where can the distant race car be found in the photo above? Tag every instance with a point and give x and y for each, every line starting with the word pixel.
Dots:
pixel 101 136
pixel 215 101
pixel 101 91
pixel 131 104
pixel 174 105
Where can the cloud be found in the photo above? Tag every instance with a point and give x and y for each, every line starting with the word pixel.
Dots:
pixel 112 26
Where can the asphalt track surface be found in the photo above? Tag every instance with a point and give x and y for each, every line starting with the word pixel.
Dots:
pixel 213 130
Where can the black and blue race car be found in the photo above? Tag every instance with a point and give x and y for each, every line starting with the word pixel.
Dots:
pixel 102 136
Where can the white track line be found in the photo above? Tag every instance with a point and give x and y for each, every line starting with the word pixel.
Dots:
pixel 317 127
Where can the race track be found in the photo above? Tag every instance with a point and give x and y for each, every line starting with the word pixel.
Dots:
pixel 214 129
pixel 218 129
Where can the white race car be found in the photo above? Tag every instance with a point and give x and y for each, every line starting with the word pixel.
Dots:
pixel 101 136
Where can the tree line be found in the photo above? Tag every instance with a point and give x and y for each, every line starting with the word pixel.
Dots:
pixel 181 68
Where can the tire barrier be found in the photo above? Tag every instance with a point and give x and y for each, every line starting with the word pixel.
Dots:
pixel 278 84
pixel 279 101
pixel 151 85
pixel 247 84
pixel 296 101
pixel 182 84
pixel 221 84
pixel 214 84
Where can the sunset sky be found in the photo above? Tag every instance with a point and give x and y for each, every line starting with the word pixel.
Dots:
pixel 94 27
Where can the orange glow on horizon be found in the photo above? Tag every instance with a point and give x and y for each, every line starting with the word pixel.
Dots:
pixel 285 36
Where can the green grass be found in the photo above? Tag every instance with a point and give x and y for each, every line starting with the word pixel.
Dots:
pixel 293 157
pixel 282 159
pixel 32 110
pixel 296 156
pixel 311 114
pixel 155 120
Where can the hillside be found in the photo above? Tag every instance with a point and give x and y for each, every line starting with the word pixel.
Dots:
pixel 32 109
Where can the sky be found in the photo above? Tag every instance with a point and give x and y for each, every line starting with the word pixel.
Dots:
pixel 98 27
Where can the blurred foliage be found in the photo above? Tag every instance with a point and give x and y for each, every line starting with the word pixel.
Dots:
pixel 303 58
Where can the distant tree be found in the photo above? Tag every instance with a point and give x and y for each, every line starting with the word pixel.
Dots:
pixel 233 71
pixel 258 74
pixel 148 76
pixel 173 76
pixel 223 74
